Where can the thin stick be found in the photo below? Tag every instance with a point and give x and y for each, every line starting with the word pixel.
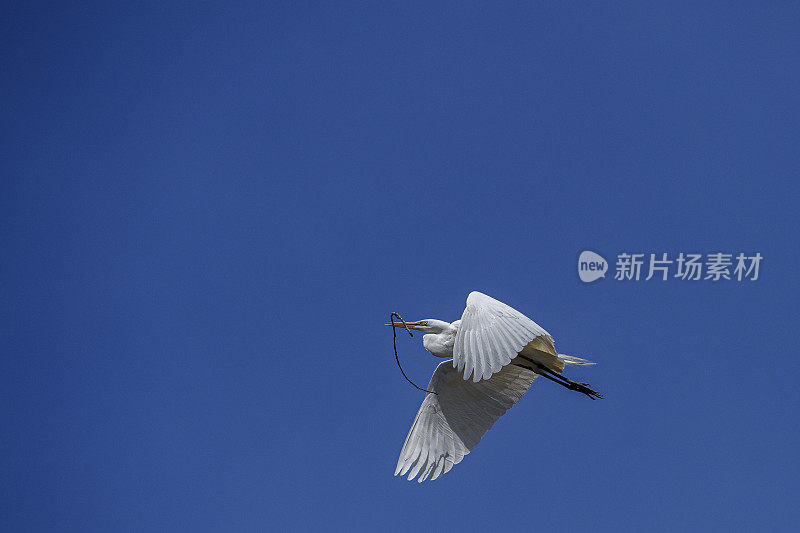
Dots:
pixel 396 357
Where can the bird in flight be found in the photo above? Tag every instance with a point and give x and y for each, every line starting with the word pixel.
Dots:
pixel 496 353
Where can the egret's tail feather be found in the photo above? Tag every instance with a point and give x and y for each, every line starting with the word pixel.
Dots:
pixel 570 360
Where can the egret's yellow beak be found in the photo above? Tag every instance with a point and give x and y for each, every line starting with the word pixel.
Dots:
pixel 411 325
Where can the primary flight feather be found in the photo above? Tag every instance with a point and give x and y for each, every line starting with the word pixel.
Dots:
pixel 497 352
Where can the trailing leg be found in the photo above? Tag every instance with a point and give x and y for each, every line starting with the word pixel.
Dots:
pixel 560 379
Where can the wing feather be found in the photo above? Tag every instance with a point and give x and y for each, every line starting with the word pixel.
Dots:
pixel 491 334
pixel 450 423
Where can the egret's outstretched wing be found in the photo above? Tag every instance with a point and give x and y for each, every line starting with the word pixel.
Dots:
pixel 491 334
pixel 450 423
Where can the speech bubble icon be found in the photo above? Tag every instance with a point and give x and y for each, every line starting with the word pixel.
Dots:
pixel 591 266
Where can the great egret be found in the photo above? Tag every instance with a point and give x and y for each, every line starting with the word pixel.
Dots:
pixel 503 351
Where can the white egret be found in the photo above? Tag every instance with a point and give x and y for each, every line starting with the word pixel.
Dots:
pixel 503 351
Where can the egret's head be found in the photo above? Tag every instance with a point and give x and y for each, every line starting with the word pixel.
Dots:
pixel 429 325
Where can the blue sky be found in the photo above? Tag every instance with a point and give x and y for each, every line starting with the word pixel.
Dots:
pixel 208 211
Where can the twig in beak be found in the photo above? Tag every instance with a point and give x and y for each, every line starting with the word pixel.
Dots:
pixel 396 357
pixel 391 319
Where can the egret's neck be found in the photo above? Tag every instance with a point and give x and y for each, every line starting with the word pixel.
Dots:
pixel 441 344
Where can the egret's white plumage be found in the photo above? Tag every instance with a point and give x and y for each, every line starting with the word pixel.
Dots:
pixel 503 351
pixel 491 334
pixel 452 421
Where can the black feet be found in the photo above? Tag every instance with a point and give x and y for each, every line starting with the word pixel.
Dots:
pixel 583 388
pixel 561 380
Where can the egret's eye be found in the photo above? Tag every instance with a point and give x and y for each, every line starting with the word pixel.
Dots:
pixel 424 322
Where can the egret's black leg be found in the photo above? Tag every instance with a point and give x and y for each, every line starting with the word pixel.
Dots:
pixel 548 376
pixel 561 380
